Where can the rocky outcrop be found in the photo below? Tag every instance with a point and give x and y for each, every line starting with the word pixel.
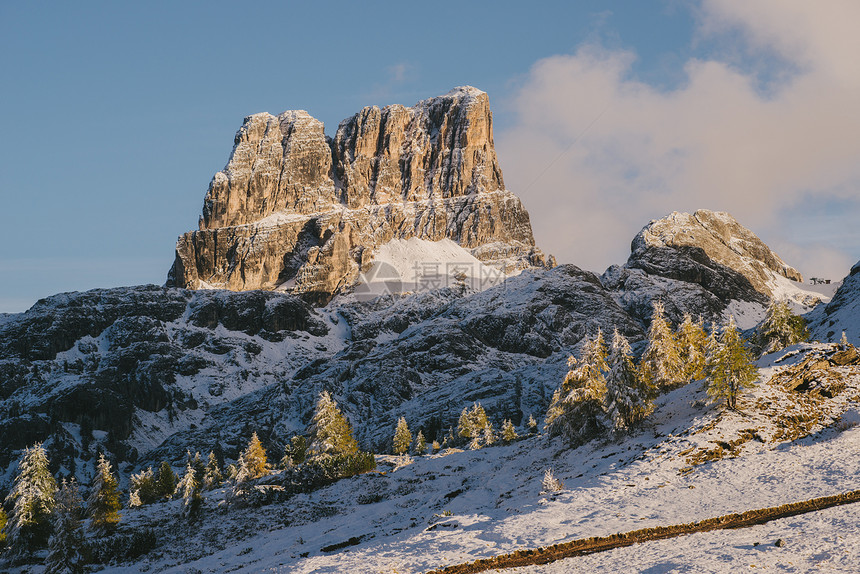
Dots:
pixel 296 211
pixel 841 314
pixel 724 241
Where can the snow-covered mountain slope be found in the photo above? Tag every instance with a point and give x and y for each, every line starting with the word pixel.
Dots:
pixel 146 373
pixel 693 460
pixel 842 313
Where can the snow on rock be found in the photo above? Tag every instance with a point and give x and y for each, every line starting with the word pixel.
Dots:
pixel 412 265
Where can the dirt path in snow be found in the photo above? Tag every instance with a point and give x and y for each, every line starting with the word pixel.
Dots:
pixel 584 546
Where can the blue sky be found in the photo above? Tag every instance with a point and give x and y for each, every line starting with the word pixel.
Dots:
pixel 117 115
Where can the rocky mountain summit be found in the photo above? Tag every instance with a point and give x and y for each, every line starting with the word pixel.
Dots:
pixel 297 211
pixel 724 241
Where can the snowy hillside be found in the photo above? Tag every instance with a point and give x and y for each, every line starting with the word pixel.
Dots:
pixel 692 461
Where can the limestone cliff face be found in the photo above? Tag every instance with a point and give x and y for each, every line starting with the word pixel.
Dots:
pixel 723 240
pixel 297 211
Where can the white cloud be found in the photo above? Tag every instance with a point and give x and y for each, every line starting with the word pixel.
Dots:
pixel 719 141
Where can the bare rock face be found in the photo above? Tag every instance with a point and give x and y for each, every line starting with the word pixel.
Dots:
pixel 297 211
pixel 724 241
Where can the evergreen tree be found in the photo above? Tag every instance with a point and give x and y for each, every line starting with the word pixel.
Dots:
pixel 402 437
pixel 330 432
pixel 298 449
pixel 196 463
pixel 730 367
pixel 252 461
pixel 165 481
pixel 212 473
pixel 532 424
pixel 660 367
pixel 3 520
pixel 577 407
pixel 189 489
pixel 781 328
pixel 420 444
pixel 32 500
pixel 475 427
pixel 66 546
pixel 594 353
pixel 628 399
pixel 509 433
pixel 103 504
pixel 692 342
pixel 144 488
pixel 436 446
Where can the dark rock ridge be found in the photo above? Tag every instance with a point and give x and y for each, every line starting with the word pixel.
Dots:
pixel 297 211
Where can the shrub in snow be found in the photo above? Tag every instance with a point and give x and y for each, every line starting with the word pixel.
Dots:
pixel 67 550
pixel 402 437
pixel 532 424
pixel 31 500
pixel 550 483
pixel 103 504
pixel 729 365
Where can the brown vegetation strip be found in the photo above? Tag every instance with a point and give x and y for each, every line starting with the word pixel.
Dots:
pixel 600 543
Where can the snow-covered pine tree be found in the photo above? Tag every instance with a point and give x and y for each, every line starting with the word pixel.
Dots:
pixel 66 547
pixel 212 477
pixel 532 423
pixel 143 485
pixel 509 433
pixel 730 367
pixel 550 483
pixel 628 400
pixel 435 446
pixel 475 427
pixel 577 407
pixel 594 353
pixel 252 462
pixel 298 449
pixel 198 465
pixel 781 328
pixel 420 444
pixel 692 343
pixel 189 489
pixel 134 499
pixel 103 504
pixel 402 437
pixel 843 341
pixel 464 425
pixel 32 500
pixel 165 481
pixel 330 432
pixel 660 363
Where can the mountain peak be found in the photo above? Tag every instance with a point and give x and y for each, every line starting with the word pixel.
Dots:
pixel 725 241
pixel 298 211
